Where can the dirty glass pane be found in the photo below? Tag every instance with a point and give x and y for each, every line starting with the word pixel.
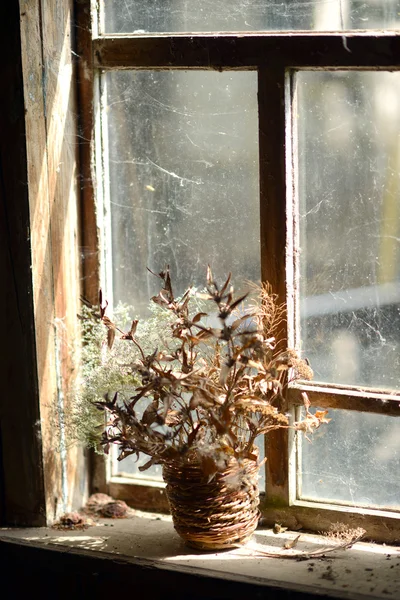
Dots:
pixel 183 177
pixel 355 459
pixel 349 194
pixel 183 161
pixel 148 16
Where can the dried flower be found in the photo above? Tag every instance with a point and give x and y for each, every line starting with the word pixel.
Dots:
pixel 209 391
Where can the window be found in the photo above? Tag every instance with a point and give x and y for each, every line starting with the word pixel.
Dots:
pixel 293 137
pixel 289 125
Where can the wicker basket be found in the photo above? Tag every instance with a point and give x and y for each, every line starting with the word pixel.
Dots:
pixel 217 514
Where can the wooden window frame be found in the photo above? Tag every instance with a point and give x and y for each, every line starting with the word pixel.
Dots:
pixel 275 56
pixel 40 477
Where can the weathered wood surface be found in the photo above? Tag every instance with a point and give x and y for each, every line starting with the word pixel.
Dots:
pixel 85 75
pixel 363 49
pixel 347 399
pixel 50 102
pixel 380 526
pixel 21 475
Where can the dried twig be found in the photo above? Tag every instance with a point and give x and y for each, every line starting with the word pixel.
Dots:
pixel 306 554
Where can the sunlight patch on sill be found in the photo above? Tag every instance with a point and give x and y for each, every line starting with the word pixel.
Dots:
pixel 86 542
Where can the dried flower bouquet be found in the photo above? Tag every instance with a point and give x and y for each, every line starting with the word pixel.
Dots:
pixel 208 394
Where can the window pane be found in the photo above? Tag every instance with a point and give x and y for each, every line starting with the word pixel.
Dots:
pixel 349 194
pixel 183 160
pixel 143 16
pixel 183 171
pixel 354 459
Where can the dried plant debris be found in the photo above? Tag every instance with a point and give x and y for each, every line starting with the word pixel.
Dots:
pixel 217 382
pixel 278 528
pixel 345 539
pixel 102 505
pixel 73 520
pixel 340 532
pixel 118 509
pixel 98 506
pixel 96 502
pixel 291 543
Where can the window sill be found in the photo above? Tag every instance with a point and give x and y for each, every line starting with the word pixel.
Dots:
pixel 145 551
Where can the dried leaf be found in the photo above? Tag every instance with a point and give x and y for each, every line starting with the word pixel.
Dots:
pixel 239 321
pixel 131 333
pixel 148 464
pixel 238 301
pixel 320 415
pixel 150 414
pixel 291 543
pixel 198 317
pixel 225 286
pixel 278 528
pixel 174 417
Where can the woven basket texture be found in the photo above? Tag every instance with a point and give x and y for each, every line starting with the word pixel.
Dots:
pixel 217 514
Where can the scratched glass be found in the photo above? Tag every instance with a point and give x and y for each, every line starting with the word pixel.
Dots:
pixel 349 196
pixel 183 180
pixel 354 459
pixel 183 176
pixel 162 16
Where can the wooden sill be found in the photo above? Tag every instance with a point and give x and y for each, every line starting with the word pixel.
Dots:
pixel 145 551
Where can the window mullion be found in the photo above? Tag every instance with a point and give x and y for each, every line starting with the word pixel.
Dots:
pixel 271 97
pixel 85 89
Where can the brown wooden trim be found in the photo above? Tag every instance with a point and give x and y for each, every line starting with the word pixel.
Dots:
pixel 380 526
pixel 359 400
pixel 246 51
pixel 85 76
pixel 271 97
pixel 50 120
pixel 89 234
pixel 22 500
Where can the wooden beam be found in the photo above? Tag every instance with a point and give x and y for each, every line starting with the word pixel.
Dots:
pixel 22 500
pixel 50 105
pixel 59 91
pixel 347 399
pixel 89 233
pixel 244 51
pixel 271 98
